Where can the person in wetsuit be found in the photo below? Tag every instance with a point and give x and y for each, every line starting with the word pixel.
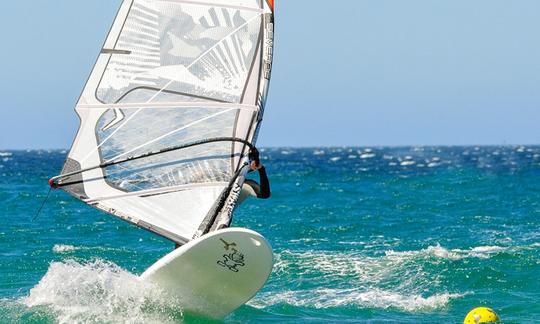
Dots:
pixel 251 188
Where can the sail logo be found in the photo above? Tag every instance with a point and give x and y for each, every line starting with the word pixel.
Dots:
pixel 233 198
pixel 269 50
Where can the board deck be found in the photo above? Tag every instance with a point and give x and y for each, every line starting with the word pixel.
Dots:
pixel 215 274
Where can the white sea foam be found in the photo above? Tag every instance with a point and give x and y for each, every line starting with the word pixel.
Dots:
pixel 5 154
pixel 481 252
pixel 335 159
pixel 485 252
pixel 375 298
pixel 367 155
pixel 318 152
pixel 404 280
pixel 407 163
pixel 61 248
pixel 396 280
pixel 65 248
pixel 100 292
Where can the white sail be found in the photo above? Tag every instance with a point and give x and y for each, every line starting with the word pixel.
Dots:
pixel 172 73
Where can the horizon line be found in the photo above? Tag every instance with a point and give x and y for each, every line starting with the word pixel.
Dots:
pixel 326 146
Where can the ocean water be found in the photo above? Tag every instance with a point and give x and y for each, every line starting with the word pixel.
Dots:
pixel 374 235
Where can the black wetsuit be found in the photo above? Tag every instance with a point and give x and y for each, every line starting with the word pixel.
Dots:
pixel 263 189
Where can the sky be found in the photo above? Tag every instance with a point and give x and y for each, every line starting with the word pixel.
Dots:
pixel 346 73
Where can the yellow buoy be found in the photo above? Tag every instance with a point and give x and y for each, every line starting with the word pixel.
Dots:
pixel 481 315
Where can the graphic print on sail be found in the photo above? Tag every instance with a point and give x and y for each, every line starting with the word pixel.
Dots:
pixel 171 108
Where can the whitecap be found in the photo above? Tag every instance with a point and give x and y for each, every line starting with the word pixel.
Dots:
pixel 407 163
pixel 442 253
pixel 485 252
pixel 6 154
pixel 481 252
pixel 61 248
pixel 367 156
pixel 319 152
pixel 335 159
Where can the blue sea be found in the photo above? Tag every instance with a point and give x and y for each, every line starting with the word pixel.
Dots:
pixel 360 235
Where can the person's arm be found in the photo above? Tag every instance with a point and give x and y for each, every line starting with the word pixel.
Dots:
pixel 263 188
pixel 264 192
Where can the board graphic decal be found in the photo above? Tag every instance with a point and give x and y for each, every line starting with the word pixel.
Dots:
pixel 233 259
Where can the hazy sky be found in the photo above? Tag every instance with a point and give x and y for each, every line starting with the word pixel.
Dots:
pixel 346 72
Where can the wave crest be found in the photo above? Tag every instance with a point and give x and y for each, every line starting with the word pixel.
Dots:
pixel 99 292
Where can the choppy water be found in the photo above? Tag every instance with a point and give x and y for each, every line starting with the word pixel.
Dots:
pixel 404 235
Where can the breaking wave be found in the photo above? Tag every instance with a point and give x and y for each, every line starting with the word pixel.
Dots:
pixel 100 292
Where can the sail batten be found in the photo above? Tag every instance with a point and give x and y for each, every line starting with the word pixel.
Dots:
pixel 170 111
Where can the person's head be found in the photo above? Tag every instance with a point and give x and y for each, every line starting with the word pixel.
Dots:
pixel 254 156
